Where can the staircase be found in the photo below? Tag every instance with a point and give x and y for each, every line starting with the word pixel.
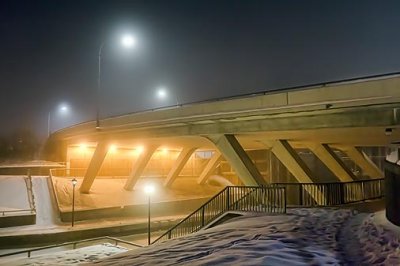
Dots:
pixel 268 199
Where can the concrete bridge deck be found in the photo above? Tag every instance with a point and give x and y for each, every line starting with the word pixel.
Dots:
pixel 323 119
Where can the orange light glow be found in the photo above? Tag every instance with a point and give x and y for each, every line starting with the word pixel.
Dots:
pixel 164 151
pixel 82 147
pixel 140 149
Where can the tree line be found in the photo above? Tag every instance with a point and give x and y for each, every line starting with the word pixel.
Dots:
pixel 21 144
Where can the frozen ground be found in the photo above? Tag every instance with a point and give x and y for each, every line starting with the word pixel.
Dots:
pixel 302 237
pixel 71 257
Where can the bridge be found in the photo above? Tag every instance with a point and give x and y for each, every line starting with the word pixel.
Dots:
pixel 331 121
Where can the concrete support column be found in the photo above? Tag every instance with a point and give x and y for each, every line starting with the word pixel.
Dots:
pixel 178 166
pixel 291 160
pixel 139 166
pixel 332 161
pixel 210 167
pixel 361 159
pixel 238 159
pixel 94 166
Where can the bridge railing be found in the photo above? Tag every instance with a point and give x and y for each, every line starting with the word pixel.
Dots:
pixel 331 194
pixel 270 199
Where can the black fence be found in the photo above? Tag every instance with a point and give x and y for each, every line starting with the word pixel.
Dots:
pixel 330 194
pixel 269 199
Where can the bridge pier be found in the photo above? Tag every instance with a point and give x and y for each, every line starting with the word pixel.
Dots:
pixel 180 162
pixel 139 166
pixel 210 167
pixel 234 153
pixel 94 166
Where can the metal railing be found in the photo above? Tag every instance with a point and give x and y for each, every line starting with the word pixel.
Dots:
pixel 269 199
pixel 23 211
pixel 74 245
pixel 331 194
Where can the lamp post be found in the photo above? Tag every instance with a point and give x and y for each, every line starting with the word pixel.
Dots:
pixel 149 190
pixel 127 41
pixel 74 182
pixel 61 109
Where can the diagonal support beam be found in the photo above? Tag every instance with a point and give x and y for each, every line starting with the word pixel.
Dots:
pixel 292 161
pixel 234 153
pixel 139 167
pixel 94 166
pixel 332 161
pixel 210 167
pixel 363 161
pixel 180 162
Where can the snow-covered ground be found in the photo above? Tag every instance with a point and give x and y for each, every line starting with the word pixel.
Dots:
pixel 71 257
pixel 302 237
pixel 111 193
pixel 13 193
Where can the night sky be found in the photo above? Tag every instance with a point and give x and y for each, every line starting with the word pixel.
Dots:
pixel 197 49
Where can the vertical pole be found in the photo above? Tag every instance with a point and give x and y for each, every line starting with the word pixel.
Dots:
pixel 98 90
pixel 73 205
pixel 148 222
pixel 48 124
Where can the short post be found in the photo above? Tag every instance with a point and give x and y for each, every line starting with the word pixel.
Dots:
pixel 149 189
pixel 74 182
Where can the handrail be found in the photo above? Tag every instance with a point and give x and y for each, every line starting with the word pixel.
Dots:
pixel 242 198
pixel 73 243
pixel 333 193
pixel 22 210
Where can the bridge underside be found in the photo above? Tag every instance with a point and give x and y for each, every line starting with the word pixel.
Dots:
pixel 314 135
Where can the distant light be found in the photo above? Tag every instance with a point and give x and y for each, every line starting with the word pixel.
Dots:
pixel 83 146
pixel 149 189
pixel 161 93
pixel 140 149
pixel 112 148
pixel 164 150
pixel 128 41
pixel 63 108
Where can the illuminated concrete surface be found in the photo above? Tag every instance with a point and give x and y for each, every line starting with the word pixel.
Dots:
pixel 320 119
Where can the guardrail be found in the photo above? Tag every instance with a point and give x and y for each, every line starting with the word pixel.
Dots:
pixel 269 199
pixel 74 245
pixel 331 194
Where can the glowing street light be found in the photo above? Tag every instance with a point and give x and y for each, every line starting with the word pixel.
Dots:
pixel 149 190
pixel 62 109
pixel 127 41
pixel 162 93
pixel 74 182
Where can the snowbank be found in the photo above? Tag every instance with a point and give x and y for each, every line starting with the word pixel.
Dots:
pixel 302 237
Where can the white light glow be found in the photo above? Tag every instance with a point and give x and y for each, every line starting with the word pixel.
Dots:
pixel 149 189
pixel 128 41
pixel 63 108
pixel 161 93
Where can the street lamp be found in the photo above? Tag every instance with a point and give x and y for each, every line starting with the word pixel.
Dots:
pixel 162 93
pixel 63 109
pixel 149 190
pixel 74 182
pixel 127 41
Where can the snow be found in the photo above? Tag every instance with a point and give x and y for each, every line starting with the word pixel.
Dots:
pixel 301 237
pixel 13 193
pixel 111 193
pixel 71 257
